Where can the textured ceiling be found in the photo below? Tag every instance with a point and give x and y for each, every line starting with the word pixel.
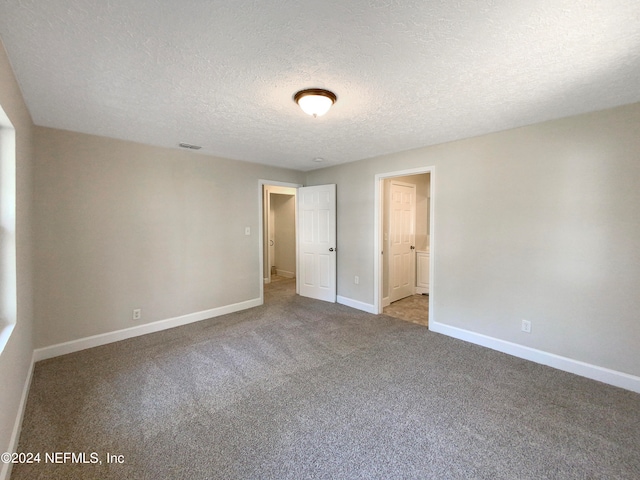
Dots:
pixel 407 73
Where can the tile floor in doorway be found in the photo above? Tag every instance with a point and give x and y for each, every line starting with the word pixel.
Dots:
pixel 413 309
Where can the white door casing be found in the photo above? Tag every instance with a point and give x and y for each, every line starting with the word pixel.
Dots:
pixel 381 247
pixel 402 233
pixel 317 242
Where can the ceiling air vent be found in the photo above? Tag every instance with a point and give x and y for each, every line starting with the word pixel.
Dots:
pixel 188 145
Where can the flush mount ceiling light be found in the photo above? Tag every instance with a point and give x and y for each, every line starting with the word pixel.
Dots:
pixel 315 101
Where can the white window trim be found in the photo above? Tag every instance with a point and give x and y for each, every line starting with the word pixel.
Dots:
pixel 8 272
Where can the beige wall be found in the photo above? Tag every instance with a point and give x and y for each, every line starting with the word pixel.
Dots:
pixel 422 210
pixel 540 222
pixel 121 225
pixel 16 358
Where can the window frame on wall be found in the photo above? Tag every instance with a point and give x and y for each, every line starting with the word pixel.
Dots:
pixel 8 271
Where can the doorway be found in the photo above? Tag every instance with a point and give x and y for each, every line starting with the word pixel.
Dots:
pixel 278 238
pixel 280 228
pixel 403 274
pixel 311 240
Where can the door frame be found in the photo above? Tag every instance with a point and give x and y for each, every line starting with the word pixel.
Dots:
pixel 378 242
pixel 261 184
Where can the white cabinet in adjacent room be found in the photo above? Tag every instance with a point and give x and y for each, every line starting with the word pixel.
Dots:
pixel 422 271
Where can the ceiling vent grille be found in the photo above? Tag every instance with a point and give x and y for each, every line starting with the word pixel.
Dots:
pixel 188 145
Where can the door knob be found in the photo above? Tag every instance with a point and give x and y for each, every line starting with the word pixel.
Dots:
pixel 331 249
pixel 412 247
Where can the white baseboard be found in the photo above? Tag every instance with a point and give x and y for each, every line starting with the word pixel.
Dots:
pixel 594 372
pixel 284 273
pixel 5 471
pixel 386 302
pixel 110 337
pixel 349 302
pixel 266 280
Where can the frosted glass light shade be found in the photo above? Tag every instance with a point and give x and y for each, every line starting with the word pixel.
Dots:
pixel 315 102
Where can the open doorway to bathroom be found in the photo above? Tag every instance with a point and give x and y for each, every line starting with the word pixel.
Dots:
pixel 404 238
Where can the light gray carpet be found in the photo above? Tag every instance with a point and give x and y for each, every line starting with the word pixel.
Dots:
pixel 301 389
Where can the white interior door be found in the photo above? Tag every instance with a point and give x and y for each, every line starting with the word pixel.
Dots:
pixel 402 238
pixel 317 242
